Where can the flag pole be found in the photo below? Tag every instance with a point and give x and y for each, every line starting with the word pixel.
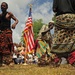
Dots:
pixel 25 58
pixel 25 54
pixel 30 5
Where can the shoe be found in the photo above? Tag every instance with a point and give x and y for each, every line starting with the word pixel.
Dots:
pixel 73 64
pixel 4 65
pixel 0 65
pixel 25 64
pixel 11 64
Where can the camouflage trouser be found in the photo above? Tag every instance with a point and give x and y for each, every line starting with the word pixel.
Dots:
pixel 64 34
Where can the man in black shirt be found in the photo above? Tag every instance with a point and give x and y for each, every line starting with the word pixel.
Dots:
pixel 63 6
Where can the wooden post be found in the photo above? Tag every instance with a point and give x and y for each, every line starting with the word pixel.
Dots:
pixel 25 56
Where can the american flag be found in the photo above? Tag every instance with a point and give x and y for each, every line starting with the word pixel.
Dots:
pixel 28 34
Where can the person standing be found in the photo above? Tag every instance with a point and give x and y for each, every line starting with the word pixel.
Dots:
pixel 64 32
pixel 6 41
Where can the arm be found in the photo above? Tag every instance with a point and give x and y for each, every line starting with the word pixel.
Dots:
pixel 51 27
pixel 0 18
pixel 46 31
pixel 54 5
pixel 15 19
pixel 73 4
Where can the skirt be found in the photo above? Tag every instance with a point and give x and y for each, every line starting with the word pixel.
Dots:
pixel 6 45
pixel 64 34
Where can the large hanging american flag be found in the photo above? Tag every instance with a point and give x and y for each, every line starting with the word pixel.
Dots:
pixel 28 34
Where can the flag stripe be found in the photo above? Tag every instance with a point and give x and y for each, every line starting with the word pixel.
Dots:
pixel 28 34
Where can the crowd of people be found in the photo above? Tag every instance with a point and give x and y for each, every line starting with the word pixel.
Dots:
pixel 20 57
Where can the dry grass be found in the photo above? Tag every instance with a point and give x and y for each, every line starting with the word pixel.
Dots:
pixel 35 70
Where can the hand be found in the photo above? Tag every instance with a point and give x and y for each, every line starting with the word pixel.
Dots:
pixel 12 53
pixel 43 33
pixel 13 26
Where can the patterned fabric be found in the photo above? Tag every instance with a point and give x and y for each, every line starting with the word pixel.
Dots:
pixel 47 36
pixel 6 47
pixel 64 34
pixel 6 44
pixel 7 59
pixel 71 58
pixel 42 48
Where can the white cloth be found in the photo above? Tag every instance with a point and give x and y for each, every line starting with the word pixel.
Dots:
pixel 14 55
